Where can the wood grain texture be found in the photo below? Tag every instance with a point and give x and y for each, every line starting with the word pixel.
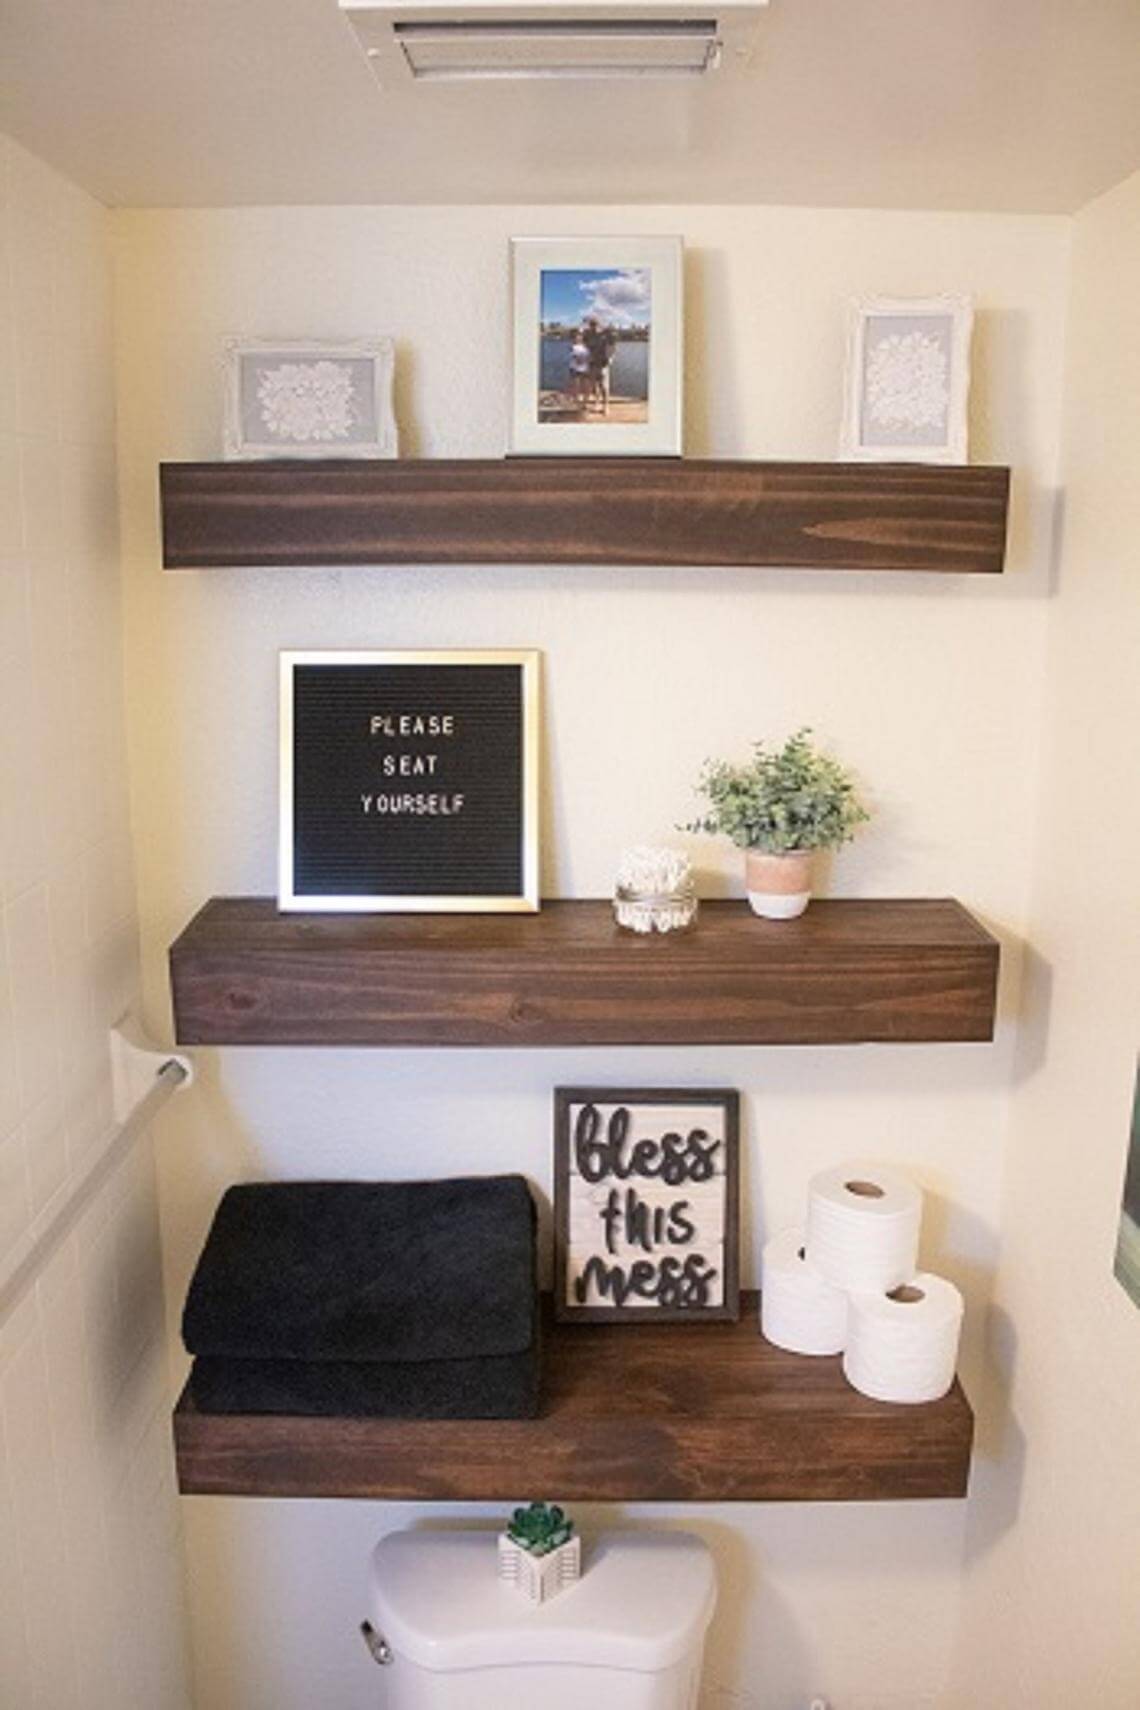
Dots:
pixel 650 511
pixel 708 1413
pixel 846 972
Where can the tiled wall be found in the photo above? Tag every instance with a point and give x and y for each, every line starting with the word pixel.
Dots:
pixel 90 1591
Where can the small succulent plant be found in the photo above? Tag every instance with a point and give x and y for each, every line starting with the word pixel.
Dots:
pixel 540 1528
pixel 783 799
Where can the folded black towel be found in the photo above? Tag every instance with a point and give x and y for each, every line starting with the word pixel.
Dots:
pixel 504 1386
pixel 364 1271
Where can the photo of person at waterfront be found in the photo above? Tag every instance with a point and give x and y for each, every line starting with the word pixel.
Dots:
pixel 594 344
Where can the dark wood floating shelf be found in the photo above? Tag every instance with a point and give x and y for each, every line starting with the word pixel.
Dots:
pixel 846 972
pixel 669 1413
pixel 663 512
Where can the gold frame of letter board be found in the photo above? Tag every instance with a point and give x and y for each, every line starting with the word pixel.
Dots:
pixel 527 900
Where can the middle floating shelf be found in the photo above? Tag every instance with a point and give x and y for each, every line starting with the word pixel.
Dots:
pixel 846 972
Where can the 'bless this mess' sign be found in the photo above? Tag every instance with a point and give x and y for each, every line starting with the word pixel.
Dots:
pixel 646 1204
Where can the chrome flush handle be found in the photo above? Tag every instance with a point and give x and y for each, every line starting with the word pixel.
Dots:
pixel 378 1646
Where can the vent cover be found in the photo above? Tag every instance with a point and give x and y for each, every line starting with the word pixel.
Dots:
pixel 532 48
pixel 445 43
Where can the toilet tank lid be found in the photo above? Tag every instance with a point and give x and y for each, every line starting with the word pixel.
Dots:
pixel 643 1602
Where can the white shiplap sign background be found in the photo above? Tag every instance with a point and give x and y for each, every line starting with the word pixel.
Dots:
pixel 646 1197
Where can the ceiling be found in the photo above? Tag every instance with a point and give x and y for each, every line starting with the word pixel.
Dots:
pixel 1015 105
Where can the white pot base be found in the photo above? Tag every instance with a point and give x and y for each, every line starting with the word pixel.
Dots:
pixel 776 905
pixel 539 1578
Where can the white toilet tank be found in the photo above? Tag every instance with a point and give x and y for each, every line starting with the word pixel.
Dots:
pixel 627 1636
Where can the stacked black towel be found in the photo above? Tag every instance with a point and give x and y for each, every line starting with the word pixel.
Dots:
pixel 413 1300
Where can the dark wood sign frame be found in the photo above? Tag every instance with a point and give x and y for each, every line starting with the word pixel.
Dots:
pixel 566 1099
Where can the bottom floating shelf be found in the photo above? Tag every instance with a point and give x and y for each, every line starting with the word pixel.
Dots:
pixel 660 1412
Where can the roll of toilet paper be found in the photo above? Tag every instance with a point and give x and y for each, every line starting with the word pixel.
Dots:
pixel 903 1345
pixel 862 1227
pixel 799 1309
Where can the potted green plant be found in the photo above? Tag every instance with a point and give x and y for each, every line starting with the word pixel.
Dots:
pixel 538 1553
pixel 780 807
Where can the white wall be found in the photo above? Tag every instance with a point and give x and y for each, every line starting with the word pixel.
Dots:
pixel 931 687
pixel 1052 1612
pixel 90 1573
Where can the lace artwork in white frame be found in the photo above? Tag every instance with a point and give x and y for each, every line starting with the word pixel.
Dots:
pixel 908 380
pixel 294 398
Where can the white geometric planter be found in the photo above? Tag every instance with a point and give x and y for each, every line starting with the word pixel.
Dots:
pixel 539 1578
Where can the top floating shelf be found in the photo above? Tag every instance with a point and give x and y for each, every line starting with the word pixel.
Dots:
pixel 662 512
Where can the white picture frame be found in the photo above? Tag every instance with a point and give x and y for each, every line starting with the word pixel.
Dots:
pixel 631 289
pixel 908 380
pixel 304 398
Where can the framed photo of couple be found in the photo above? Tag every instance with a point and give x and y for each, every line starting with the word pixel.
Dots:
pixel 597 346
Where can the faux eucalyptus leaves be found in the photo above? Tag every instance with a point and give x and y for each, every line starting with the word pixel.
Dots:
pixel 783 800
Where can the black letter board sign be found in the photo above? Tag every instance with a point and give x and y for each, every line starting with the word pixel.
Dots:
pixel 409 781
pixel 646 1205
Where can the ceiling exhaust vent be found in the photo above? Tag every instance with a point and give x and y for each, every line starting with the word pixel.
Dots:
pixel 438 41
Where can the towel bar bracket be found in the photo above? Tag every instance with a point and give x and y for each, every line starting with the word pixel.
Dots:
pixel 136 1064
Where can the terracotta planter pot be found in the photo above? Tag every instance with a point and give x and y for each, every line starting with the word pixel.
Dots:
pixel 779 886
